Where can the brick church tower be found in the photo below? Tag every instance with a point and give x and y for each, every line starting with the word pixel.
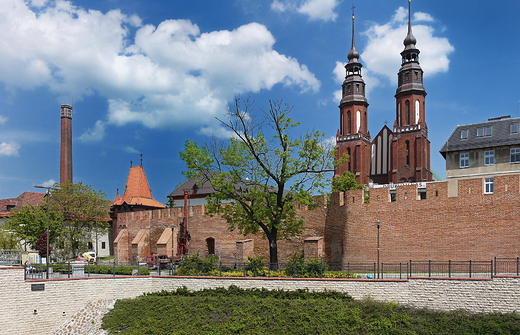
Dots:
pixel 66 144
pixel 353 137
pixel 410 147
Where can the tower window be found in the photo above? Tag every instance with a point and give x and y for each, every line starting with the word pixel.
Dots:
pixel 349 88
pixel 464 160
pixel 489 157
pixel 407 115
pixel 357 87
pixel 341 123
pixel 349 123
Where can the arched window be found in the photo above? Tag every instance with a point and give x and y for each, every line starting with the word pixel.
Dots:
pixel 417 106
pixel 341 123
pixel 399 114
pixel 407 113
pixel 349 123
pixel 210 244
pixel 358 120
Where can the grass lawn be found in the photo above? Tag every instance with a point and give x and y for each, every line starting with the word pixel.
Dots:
pixel 259 311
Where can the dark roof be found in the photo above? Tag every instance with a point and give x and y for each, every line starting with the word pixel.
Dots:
pixel 8 205
pixel 196 187
pixel 199 188
pixel 500 135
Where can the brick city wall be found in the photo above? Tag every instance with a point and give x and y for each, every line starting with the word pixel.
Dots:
pixel 28 312
pixel 471 226
pixel 203 227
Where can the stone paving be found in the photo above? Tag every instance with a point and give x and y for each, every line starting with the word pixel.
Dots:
pixel 88 320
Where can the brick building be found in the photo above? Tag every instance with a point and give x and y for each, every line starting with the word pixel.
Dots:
pixel 394 156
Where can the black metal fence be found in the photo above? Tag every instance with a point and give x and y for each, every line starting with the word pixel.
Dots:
pixel 412 269
pixel 451 269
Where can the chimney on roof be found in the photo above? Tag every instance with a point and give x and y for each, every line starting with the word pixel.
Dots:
pixel 66 144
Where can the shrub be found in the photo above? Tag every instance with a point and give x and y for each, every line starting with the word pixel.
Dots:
pixel 297 267
pixel 194 265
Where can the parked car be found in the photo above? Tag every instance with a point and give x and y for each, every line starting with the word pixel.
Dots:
pixel 90 256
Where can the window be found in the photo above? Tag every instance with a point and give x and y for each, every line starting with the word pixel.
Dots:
pixel 464 134
pixel 489 185
pixel 392 196
pixel 480 132
pixel 515 155
pixel 341 123
pixel 407 115
pixel 489 157
pixel 417 111
pixel 464 160
pixel 90 246
pixel 349 123
pixel 487 131
pixel 513 128
pixel 103 245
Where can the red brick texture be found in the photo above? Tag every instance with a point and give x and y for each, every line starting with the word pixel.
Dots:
pixel 472 226
pixel 203 227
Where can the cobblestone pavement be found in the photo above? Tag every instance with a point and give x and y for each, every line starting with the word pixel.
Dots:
pixel 88 320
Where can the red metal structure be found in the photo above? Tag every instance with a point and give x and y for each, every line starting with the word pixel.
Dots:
pixel 184 235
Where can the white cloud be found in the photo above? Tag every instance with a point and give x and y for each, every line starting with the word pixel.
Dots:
pixel 419 16
pixel 381 55
pixel 94 134
pixel 3 119
pixel 131 150
pixel 314 9
pixel 171 75
pixel 9 149
pixel 48 183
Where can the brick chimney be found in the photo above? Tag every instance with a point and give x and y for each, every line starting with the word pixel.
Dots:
pixel 66 144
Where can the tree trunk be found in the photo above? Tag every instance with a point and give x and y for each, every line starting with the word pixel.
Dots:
pixel 273 251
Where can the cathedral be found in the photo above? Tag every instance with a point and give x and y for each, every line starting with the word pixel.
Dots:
pixel 398 155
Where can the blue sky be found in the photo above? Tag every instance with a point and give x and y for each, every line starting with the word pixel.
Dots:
pixel 144 76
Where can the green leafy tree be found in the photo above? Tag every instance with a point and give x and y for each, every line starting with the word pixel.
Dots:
pixel 263 169
pixel 30 221
pixel 9 240
pixel 345 182
pixel 84 213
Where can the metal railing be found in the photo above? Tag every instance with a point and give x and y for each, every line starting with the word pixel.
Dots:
pixel 10 257
pixel 507 266
pixel 451 269
pixel 412 269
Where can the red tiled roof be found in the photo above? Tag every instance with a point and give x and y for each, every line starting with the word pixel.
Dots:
pixel 137 191
pixel 26 198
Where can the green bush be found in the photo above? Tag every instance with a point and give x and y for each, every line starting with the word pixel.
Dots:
pixel 256 266
pixel 298 267
pixel 194 265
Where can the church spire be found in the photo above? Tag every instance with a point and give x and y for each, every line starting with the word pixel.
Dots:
pixel 353 55
pixel 409 41
pixel 410 52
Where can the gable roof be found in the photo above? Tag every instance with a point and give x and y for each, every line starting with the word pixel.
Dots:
pixel 137 191
pixel 500 135
pixel 26 198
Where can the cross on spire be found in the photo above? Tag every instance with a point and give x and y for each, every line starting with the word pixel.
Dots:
pixel 353 8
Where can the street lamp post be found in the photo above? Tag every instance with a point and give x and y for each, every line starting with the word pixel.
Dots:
pixel 378 223
pixel 97 226
pixel 48 195
pixel 171 270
